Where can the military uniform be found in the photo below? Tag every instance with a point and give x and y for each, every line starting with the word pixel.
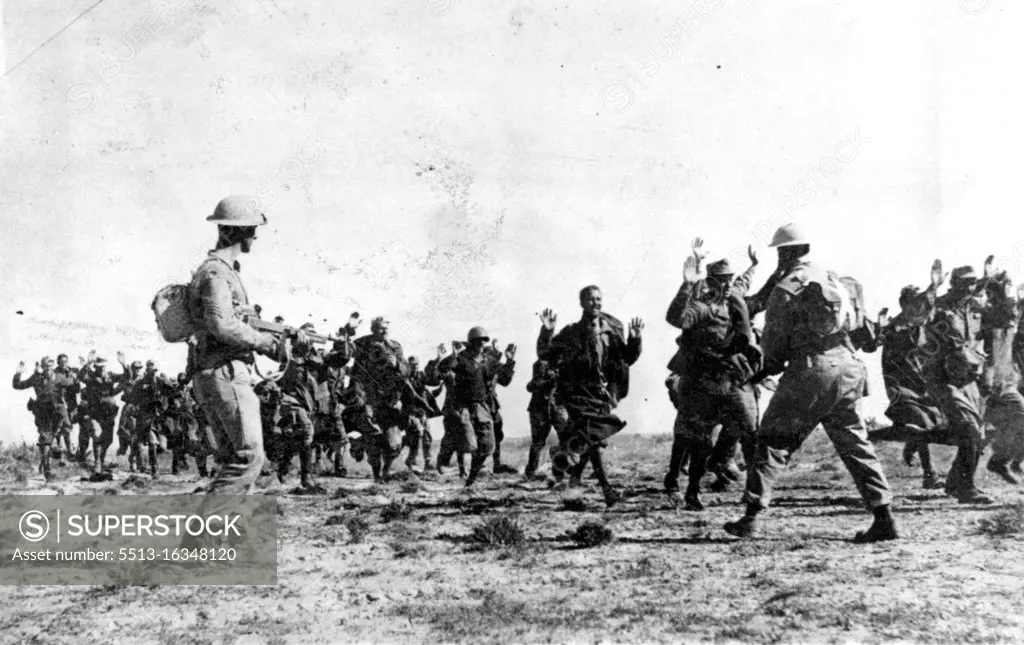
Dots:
pixel 70 376
pixel 1004 404
pixel 148 396
pixel 421 406
pixel 329 424
pixel 468 380
pixel 452 441
pixel 542 412
pixel 592 359
pixel 719 356
pixel 494 356
pixel 958 325
pixel 379 418
pixel 822 382
pixel 99 413
pixel 220 366
pixel 49 408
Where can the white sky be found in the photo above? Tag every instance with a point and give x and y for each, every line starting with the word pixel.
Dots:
pixel 103 194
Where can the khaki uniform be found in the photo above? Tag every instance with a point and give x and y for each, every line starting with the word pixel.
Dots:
pixel 220 365
pixel 822 382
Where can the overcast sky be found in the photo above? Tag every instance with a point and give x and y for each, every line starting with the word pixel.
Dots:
pixel 447 163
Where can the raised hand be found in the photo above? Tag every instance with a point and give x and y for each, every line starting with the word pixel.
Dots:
pixel 635 327
pixel 752 254
pixel 883 317
pixel 39 368
pixel 548 318
pixel 21 366
pixel 697 246
pixel 354 320
pixel 510 352
pixel 989 263
pixel 441 350
pixel 938 277
pixel 691 270
pixel 120 358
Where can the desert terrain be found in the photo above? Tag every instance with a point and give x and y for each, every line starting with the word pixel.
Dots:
pixel 418 559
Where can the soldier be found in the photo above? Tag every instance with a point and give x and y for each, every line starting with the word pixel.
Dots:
pixel 958 324
pixel 543 413
pixel 49 407
pixel 269 395
pixel 199 441
pixel 294 431
pixel 421 406
pixel 451 442
pixel 1004 405
pixel 494 355
pixel 221 358
pixel 379 370
pixel 330 437
pixel 148 397
pixel 807 335
pixel 99 410
pixel 592 358
pixel 126 424
pixel 468 375
pixel 908 366
pixel 69 374
pixel 719 356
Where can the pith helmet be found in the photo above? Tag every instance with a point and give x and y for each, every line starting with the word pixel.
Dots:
pixel 964 273
pixel 238 210
pixel 788 235
pixel 477 333
pixel 719 268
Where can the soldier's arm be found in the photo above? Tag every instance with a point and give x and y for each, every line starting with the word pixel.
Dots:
pixel 401 365
pixel 544 341
pixel 683 297
pixel 775 340
pixel 742 284
pixel 430 373
pixel 759 301
pixel 24 384
pixel 505 371
pixel 225 326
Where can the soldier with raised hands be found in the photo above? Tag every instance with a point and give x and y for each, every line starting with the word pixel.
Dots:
pixel 49 407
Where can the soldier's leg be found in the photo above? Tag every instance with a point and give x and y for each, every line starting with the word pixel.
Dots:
pixel 737 411
pixel 339 441
pixel 426 441
pixel 498 425
pixel 413 437
pixel 103 426
pixel 233 410
pixel 302 436
pixel 680 452
pixel 540 428
pixel 800 401
pixel 1005 412
pixel 962 407
pixel 85 438
pixel 47 426
pixel 483 430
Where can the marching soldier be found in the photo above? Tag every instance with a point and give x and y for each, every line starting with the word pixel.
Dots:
pixel 592 358
pixel 541 409
pixel 421 407
pixel 379 371
pixel 99 410
pixel 720 355
pixel 468 375
pixel 148 399
pixel 451 441
pixel 126 423
pixel 221 358
pixel 494 355
pixel 49 407
pixel 69 374
pixel 807 336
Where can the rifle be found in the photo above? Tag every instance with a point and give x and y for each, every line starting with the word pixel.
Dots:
pixel 251 317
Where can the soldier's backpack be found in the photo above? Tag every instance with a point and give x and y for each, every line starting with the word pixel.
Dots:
pixel 827 306
pixel 170 308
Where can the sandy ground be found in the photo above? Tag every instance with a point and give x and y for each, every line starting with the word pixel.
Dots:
pixel 417 575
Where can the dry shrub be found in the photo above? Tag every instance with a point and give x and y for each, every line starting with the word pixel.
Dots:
pixel 591 534
pixel 499 530
pixel 1008 522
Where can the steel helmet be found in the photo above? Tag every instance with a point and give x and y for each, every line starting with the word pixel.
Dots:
pixel 477 333
pixel 238 210
pixel 788 235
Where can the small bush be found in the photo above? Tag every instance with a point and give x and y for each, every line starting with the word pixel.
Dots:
pixel 395 510
pixel 357 529
pixel 591 534
pixel 500 530
pixel 412 486
pixel 574 504
pixel 1005 523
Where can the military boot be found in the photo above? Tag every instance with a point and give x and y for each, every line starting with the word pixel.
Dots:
pixel 1001 467
pixel 746 527
pixel 304 468
pixel 883 528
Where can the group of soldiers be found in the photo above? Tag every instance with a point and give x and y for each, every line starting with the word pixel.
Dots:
pixel 951 365
pixel 148 411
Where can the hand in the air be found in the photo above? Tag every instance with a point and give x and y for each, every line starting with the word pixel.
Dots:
pixel 697 246
pixel 39 368
pixel 752 254
pixel 989 263
pixel 510 352
pixel 883 317
pixel 441 350
pixel 691 270
pixel 635 327
pixel 548 318
pixel 21 366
